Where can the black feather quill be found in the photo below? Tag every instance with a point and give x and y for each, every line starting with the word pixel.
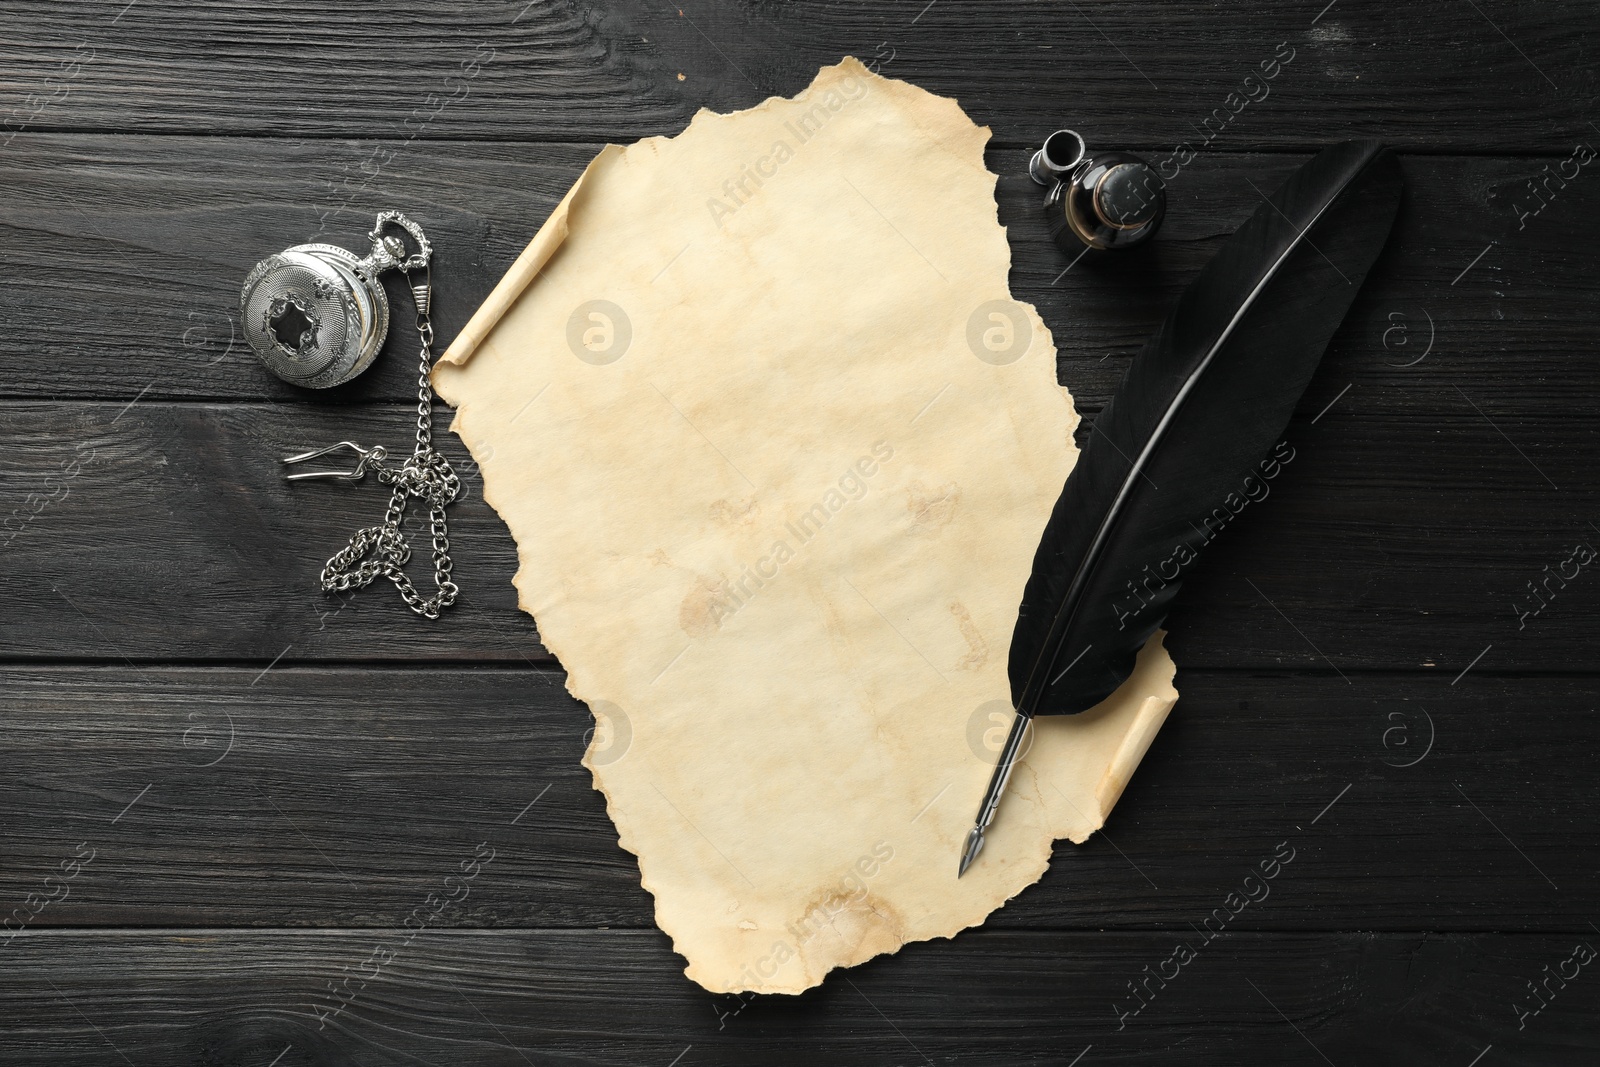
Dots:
pixel 1205 400
pixel 1200 406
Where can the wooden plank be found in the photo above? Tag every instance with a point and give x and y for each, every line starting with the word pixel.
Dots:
pixel 125 255
pixel 162 531
pixel 465 999
pixel 313 797
pixel 1438 74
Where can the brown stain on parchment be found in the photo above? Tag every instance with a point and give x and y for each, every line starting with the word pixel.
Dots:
pixel 703 607
pixel 846 929
pixel 735 513
pixel 932 510
pixel 977 648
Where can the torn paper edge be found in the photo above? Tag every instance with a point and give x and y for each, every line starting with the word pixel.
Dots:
pixel 553 234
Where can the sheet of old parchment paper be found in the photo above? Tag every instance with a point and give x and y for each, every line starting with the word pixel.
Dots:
pixel 776 446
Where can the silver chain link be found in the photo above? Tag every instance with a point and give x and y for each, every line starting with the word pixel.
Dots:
pixel 428 476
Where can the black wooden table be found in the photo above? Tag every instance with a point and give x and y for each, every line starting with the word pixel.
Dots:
pixel 222 793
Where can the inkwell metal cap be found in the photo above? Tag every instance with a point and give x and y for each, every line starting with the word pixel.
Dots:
pixel 1102 201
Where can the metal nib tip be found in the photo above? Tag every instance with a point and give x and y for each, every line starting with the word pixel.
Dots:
pixel 970 852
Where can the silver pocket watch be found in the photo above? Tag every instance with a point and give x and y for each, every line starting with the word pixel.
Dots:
pixel 317 314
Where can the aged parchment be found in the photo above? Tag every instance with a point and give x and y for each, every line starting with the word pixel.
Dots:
pixel 776 446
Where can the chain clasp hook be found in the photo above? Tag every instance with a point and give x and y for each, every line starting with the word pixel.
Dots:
pixel 370 457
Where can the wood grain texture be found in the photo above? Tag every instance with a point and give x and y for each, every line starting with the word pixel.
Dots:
pixel 275 785
pixel 164 531
pixel 1436 74
pixel 466 999
pixel 341 797
pixel 125 256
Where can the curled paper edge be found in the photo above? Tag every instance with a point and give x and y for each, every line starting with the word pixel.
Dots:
pixel 532 260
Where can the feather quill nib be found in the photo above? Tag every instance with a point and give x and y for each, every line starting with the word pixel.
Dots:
pixel 1206 398
pixel 970 852
pixel 1009 753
